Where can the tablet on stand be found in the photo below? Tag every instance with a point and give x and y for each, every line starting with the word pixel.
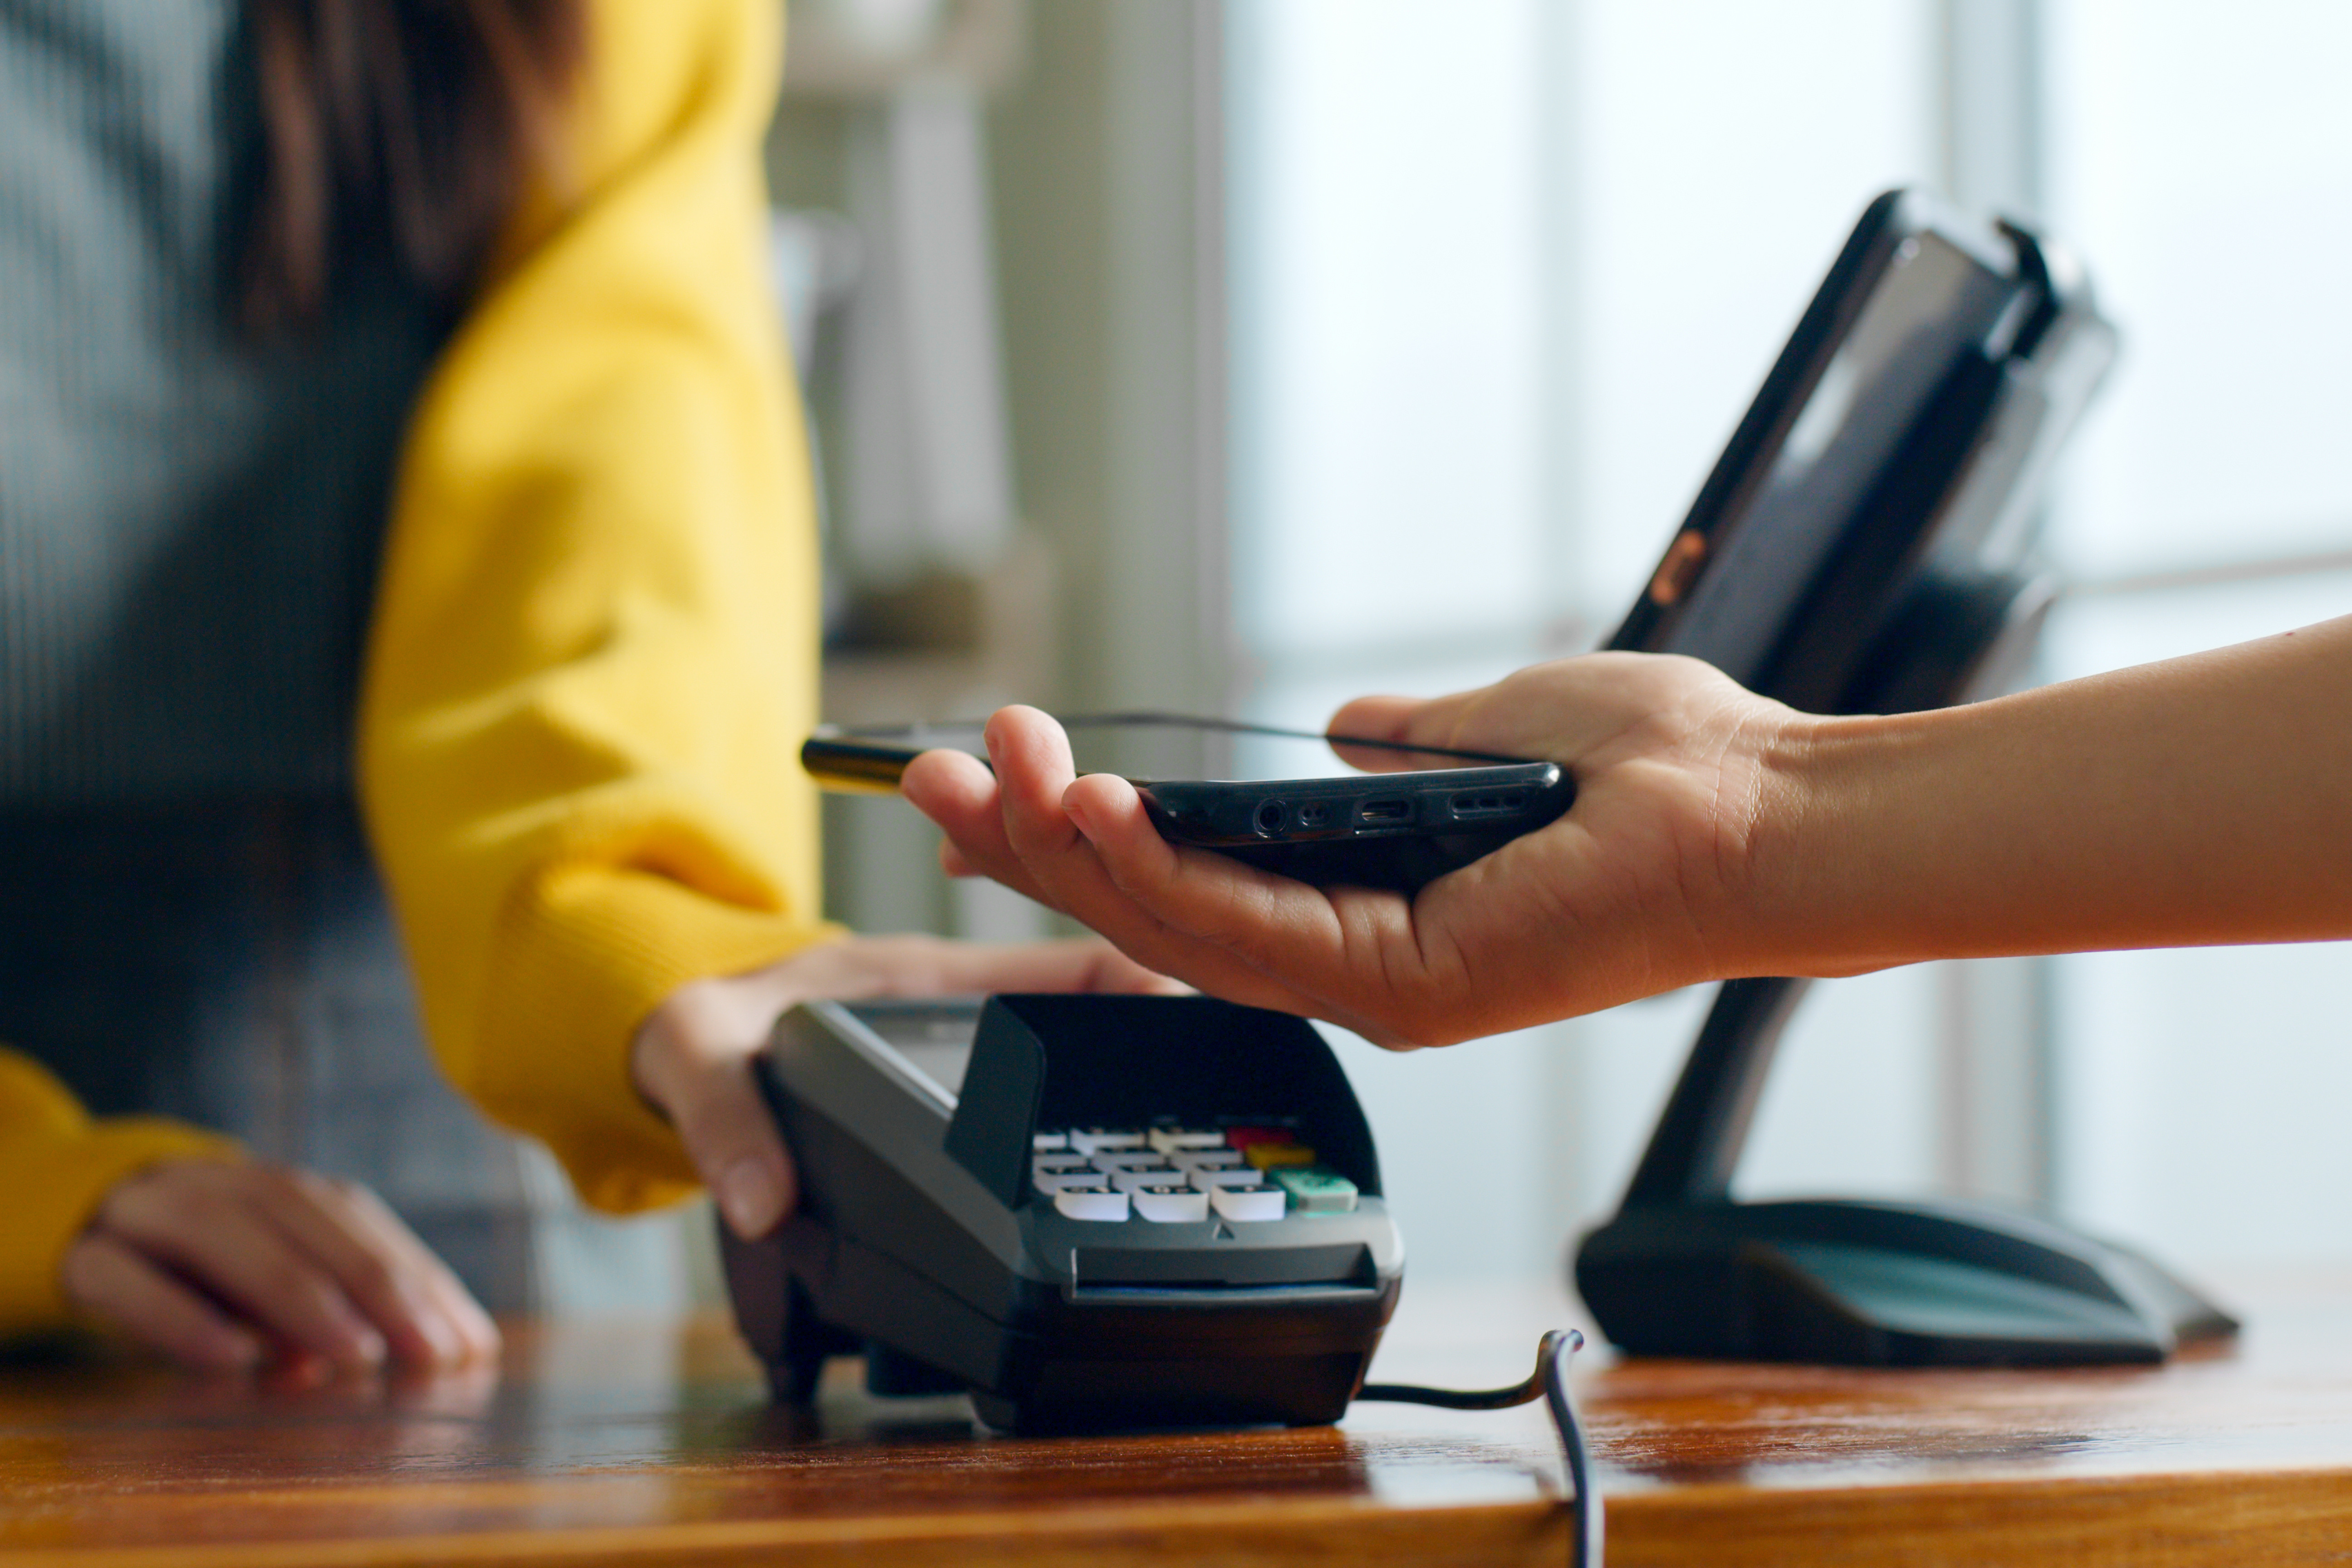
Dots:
pixel 1865 545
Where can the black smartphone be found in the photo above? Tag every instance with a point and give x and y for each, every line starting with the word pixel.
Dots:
pixel 1265 795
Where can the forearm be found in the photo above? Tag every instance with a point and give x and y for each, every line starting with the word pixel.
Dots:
pixel 593 653
pixel 2205 800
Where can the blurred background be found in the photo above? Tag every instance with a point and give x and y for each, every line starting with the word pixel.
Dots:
pixel 1245 357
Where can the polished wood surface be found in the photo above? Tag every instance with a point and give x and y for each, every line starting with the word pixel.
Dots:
pixel 621 1443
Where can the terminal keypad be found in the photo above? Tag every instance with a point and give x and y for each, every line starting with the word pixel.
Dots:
pixel 1169 1175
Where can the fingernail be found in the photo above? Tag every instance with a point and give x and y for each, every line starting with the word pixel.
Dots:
pixel 1078 815
pixel 235 1351
pixel 366 1347
pixel 748 1194
pixel 442 1340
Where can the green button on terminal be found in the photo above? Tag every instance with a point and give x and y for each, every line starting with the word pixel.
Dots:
pixel 1314 1189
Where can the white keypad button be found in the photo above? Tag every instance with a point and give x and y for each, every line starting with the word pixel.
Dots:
pixel 1061 1162
pixel 1204 1159
pixel 1132 1181
pixel 1168 1140
pixel 1128 1160
pixel 1071 1180
pixel 1246 1204
pixel 1169 1204
pixel 1095 1205
pixel 1046 1143
pixel 1095 1140
pixel 1208 1178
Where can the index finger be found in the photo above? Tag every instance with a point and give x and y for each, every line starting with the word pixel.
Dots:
pixel 960 794
pixel 1041 838
pixel 392 1278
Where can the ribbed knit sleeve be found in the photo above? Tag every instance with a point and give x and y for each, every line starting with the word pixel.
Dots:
pixel 593 654
pixel 57 1166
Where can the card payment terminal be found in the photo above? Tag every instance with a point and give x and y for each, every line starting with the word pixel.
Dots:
pixel 1089 1211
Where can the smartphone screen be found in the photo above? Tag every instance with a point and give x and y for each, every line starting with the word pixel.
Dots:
pixel 1150 747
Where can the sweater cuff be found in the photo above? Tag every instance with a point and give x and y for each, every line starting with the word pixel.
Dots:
pixel 582 959
pixel 50 1187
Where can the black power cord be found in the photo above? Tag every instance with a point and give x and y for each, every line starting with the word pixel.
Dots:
pixel 1549 1382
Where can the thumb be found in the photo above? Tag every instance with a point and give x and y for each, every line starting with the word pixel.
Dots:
pixel 709 1094
pixel 1411 720
pixel 734 1144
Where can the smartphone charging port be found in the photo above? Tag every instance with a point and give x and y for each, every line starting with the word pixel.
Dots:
pixel 1386 811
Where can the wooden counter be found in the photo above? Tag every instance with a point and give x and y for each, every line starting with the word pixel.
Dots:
pixel 620 1443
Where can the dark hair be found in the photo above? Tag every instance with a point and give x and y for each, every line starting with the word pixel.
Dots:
pixel 406 126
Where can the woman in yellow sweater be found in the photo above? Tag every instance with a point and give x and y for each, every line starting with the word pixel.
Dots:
pixel 591 654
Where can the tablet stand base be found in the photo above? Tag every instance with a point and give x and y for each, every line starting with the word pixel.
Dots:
pixel 1683 1271
pixel 1856 1283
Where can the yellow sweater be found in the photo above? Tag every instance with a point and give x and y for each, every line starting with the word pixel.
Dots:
pixel 593 651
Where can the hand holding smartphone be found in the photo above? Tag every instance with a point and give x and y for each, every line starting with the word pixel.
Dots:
pixel 1591 910
pixel 1265 795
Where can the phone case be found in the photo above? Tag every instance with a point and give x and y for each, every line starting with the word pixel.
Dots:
pixel 1396 831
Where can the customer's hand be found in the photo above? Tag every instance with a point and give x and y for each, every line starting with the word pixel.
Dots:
pixel 1644 886
pixel 692 1057
pixel 220 1265
pixel 1716 835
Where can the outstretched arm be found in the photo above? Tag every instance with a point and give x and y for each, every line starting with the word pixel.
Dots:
pixel 1716 834
pixel 2204 799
